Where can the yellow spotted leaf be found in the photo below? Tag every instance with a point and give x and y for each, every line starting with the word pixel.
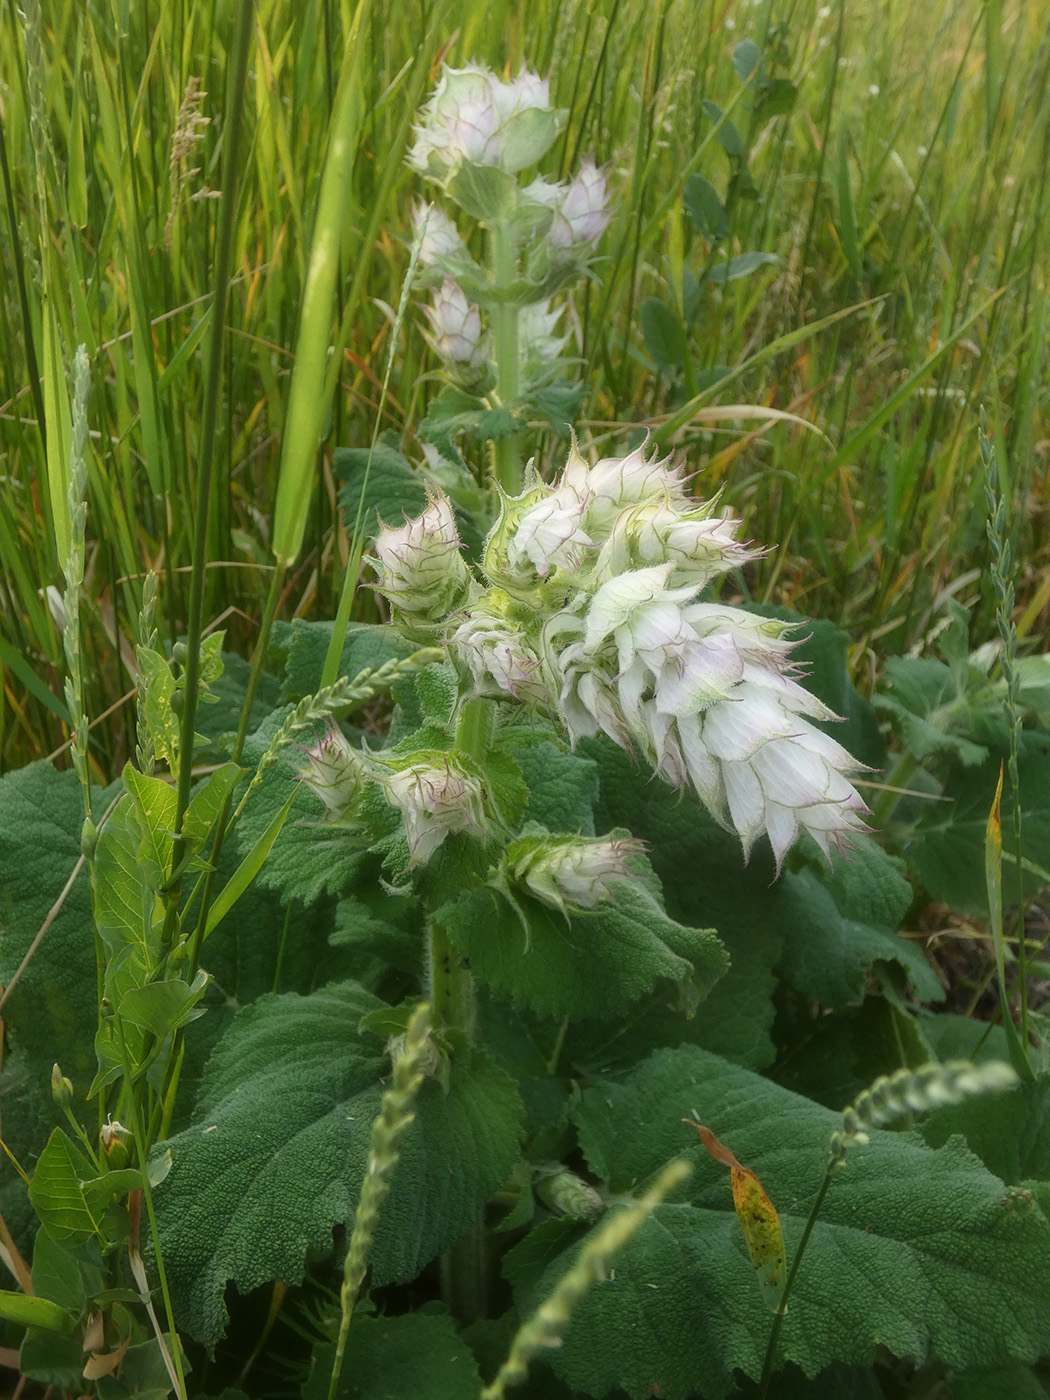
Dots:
pixel 758 1219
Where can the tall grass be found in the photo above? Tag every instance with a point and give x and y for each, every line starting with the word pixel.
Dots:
pixel 909 181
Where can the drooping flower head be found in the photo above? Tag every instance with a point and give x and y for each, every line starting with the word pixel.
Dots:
pixel 435 797
pixel 420 567
pixel 336 772
pixel 612 559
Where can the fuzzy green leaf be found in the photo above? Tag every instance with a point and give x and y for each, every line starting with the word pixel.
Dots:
pixel 563 787
pixel 302 646
pixel 836 923
pixel 52 1011
pixel 946 848
pixel 594 965
pixel 1010 1133
pixel 417 1356
pixel 914 1251
pixel 279 1143
pixel 706 884
pixel 391 491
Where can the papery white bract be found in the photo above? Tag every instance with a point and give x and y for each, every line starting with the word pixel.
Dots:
pixel 456 326
pixel 336 772
pixel 537 343
pixel 437 236
pixel 434 798
pixel 549 534
pixel 475 116
pixel 581 215
pixel 420 568
pixel 575 872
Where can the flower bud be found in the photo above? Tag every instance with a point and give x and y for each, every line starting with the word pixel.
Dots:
pixel 498 654
pixel 434 798
pixel 614 483
pixel 580 214
pixel 335 771
pixel 118 1145
pixel 420 567
pixel 439 241
pixel 456 326
pixel 537 343
pixel 61 1088
pixel 571 873
pixel 568 1194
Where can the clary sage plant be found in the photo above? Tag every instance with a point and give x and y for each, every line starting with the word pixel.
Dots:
pixel 588 606
pixel 492 323
pixel 454 965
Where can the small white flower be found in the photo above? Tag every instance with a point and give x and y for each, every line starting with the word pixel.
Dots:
pixel 537 342
pixel 581 215
pixel 439 241
pixel 434 799
pixel 419 565
pixel 456 325
pixel 549 534
pixel 499 657
pixel 336 772
pixel 575 873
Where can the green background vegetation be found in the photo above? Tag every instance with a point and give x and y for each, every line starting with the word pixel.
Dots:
pixel 908 181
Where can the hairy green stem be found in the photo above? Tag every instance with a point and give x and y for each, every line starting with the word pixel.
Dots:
pixel 504 260
pixel 452 996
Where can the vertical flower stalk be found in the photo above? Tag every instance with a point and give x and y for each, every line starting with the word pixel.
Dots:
pixel 505 317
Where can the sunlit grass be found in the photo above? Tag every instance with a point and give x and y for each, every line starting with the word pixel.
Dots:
pixel 909 181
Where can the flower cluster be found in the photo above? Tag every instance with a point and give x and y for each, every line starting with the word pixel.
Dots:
pixel 421 571
pixel 475 116
pixel 475 135
pixel 596 599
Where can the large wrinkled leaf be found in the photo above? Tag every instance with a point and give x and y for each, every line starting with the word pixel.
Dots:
pixel 414 1357
pixel 303 646
pixel 836 923
pixel 53 1008
pixel 946 848
pixel 593 965
pixel 562 786
pixel 277 1151
pixel 915 1250
pixel 706 884
pixel 1010 1133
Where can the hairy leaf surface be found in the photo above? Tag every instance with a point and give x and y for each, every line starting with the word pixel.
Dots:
pixel 594 964
pixel 279 1143
pixel 417 1356
pixel 914 1251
